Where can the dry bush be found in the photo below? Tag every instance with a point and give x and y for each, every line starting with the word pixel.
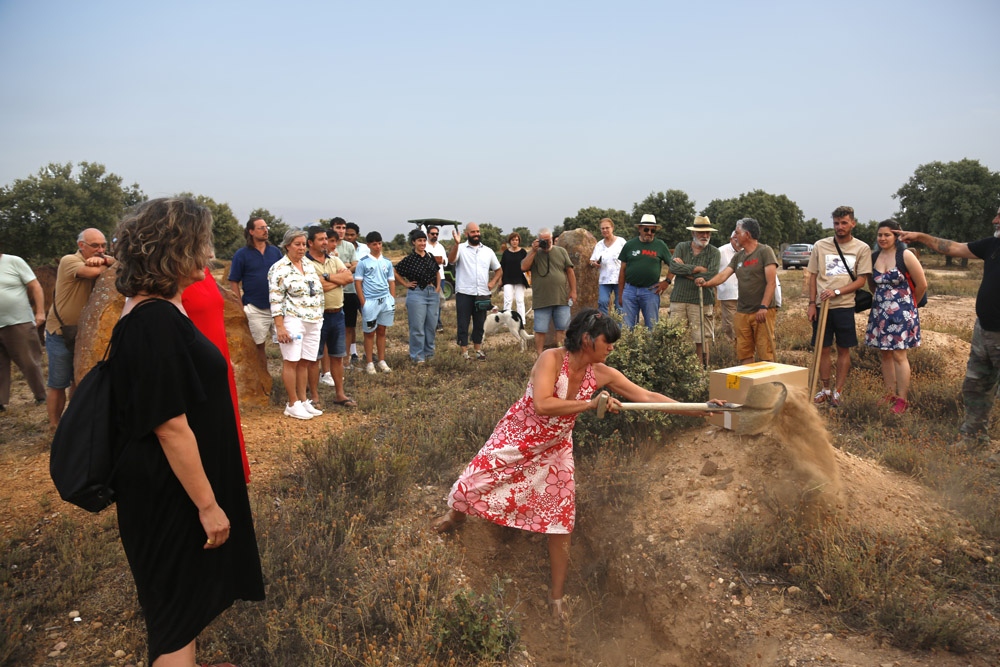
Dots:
pixel 875 581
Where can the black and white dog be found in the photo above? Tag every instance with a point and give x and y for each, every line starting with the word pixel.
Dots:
pixel 498 320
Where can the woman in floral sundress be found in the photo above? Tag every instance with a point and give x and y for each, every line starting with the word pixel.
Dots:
pixel 894 321
pixel 523 475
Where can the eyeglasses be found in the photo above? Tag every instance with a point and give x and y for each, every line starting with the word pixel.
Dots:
pixel 95 245
pixel 257 229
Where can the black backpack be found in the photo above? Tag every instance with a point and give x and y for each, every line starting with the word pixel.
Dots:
pixel 901 265
pixel 82 461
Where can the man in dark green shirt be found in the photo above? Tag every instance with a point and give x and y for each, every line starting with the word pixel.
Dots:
pixel 639 284
pixel 696 258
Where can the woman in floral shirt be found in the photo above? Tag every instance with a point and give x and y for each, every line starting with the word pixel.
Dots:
pixel 297 308
pixel 523 475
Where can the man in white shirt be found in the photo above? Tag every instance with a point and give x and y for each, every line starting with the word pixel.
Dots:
pixel 437 250
pixel 473 262
pixel 729 291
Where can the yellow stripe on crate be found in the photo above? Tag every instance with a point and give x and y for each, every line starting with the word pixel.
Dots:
pixel 733 379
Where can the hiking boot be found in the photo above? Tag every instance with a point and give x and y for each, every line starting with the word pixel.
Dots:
pixel 384 367
pixel 311 409
pixel 835 399
pixel 327 379
pixel 297 411
pixel 822 397
pixel 370 369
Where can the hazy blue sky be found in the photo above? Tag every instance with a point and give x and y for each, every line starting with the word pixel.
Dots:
pixel 506 112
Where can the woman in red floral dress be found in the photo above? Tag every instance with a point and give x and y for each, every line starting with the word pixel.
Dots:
pixel 523 475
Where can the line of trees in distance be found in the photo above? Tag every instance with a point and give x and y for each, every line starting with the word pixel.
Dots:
pixel 41 215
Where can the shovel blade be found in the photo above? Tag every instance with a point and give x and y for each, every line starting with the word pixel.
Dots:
pixel 762 404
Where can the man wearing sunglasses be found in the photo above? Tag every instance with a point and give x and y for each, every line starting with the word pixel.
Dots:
pixel 74 281
pixel 440 255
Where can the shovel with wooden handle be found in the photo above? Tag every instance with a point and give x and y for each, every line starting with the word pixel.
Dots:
pixel 763 402
pixel 701 314
pixel 818 352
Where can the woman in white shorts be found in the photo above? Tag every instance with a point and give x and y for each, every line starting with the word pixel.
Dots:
pixel 296 295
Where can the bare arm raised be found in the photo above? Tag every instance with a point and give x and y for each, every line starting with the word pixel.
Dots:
pixel 943 246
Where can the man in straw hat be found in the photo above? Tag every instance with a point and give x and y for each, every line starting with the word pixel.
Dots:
pixel 696 258
pixel 639 284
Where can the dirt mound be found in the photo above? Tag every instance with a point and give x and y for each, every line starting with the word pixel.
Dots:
pixel 647 584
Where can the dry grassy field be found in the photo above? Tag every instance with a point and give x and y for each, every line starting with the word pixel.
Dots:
pixel 854 536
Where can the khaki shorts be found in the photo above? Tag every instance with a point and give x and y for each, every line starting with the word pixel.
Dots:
pixel 689 313
pixel 753 336
pixel 261 323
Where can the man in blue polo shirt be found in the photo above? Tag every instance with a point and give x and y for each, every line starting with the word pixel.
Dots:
pixel 250 266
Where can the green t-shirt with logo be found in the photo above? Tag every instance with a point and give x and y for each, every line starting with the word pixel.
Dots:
pixel 642 261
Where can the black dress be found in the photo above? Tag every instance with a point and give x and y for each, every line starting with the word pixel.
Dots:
pixel 164 367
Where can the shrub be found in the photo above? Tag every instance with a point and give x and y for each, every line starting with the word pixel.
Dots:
pixel 660 360
pixel 480 625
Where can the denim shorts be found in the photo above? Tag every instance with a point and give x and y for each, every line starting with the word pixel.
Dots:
pixel 558 315
pixel 60 361
pixel 332 335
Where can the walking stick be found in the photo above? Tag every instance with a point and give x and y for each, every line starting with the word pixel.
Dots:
pixel 818 353
pixel 701 314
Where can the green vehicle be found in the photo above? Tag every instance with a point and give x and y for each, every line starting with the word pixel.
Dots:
pixel 448 284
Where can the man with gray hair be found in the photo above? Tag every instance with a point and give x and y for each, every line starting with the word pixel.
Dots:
pixel 756 269
pixel 74 281
pixel 695 259
pixel 553 287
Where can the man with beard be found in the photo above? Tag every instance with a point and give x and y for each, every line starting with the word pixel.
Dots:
pixel 695 259
pixel 828 279
pixel 473 262
pixel 979 390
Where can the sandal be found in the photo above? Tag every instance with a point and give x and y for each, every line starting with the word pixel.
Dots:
pixel 346 403
pixel 900 405
pixel 448 522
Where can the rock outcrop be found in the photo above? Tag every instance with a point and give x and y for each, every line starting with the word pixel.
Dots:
pixel 579 243
pixel 104 308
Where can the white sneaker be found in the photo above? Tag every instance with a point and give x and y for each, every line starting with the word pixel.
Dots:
pixel 327 379
pixel 297 410
pixel 308 405
pixel 384 367
pixel 370 368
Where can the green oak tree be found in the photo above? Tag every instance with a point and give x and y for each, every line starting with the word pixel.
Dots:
pixel 227 232
pixel 527 238
pixel 674 211
pixel 41 215
pixel 590 219
pixel 781 220
pixel 276 227
pixel 952 200
pixel 491 235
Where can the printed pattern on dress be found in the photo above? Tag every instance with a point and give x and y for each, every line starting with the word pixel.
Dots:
pixel 523 475
pixel 894 322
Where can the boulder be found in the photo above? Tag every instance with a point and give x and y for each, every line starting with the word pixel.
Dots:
pixel 104 308
pixel 97 320
pixel 579 243
pixel 253 382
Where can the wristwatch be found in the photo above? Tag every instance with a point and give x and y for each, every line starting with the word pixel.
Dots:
pixel 837 292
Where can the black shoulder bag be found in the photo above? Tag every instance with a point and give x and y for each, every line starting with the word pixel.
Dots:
pixel 862 297
pixel 82 462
